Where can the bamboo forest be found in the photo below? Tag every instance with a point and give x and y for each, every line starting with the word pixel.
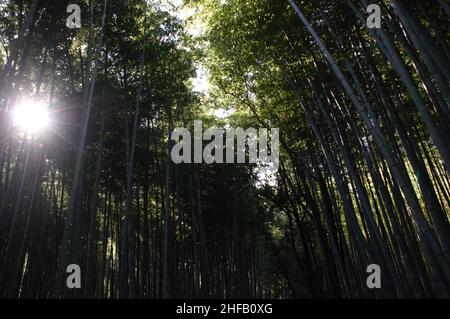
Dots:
pixel 355 203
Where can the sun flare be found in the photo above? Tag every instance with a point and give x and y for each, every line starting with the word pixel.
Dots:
pixel 30 116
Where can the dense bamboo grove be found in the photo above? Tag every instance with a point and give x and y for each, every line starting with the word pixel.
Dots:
pixel 364 117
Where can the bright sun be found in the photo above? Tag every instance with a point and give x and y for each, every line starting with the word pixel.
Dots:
pixel 30 116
